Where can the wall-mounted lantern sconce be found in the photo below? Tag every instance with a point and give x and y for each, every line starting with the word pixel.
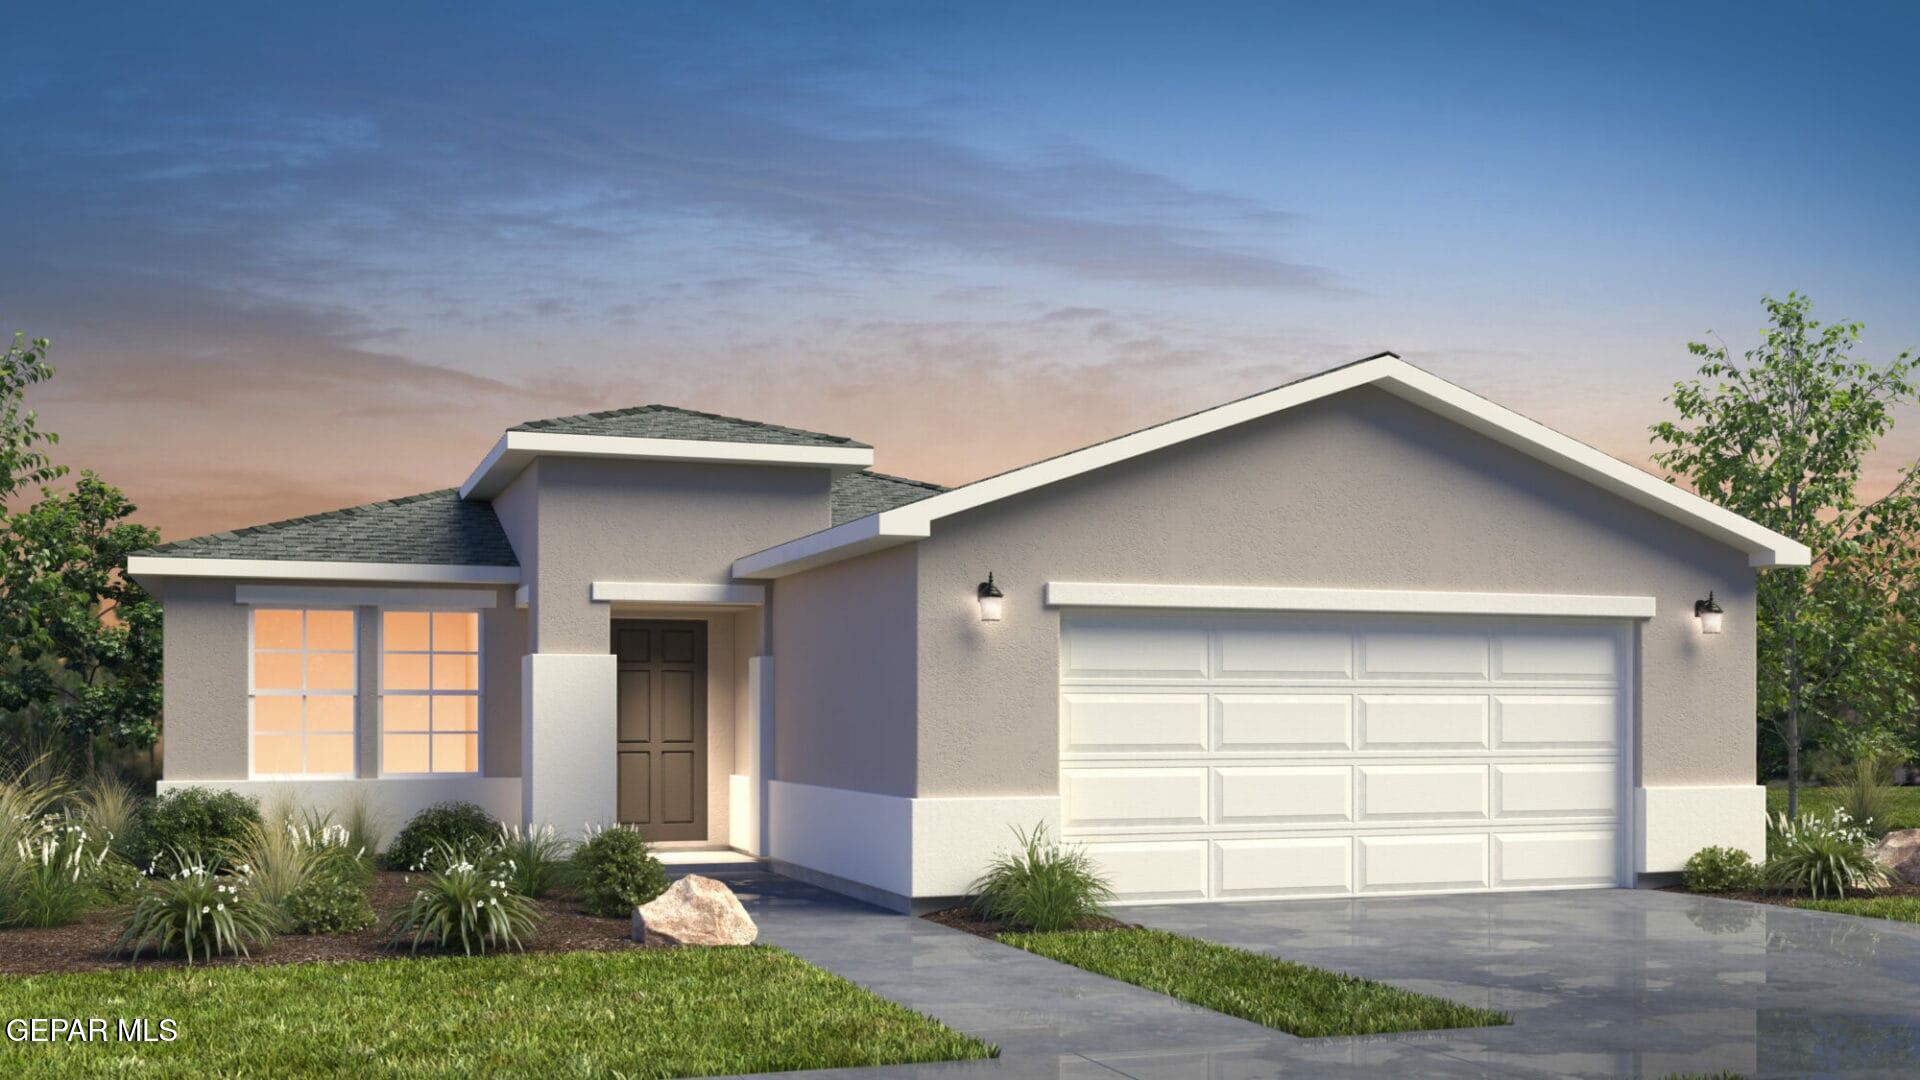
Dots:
pixel 991 600
pixel 1708 613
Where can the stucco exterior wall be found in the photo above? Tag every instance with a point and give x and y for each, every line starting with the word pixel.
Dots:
pixel 204 700
pixel 204 697
pixel 1357 491
pixel 844 694
pixel 654 521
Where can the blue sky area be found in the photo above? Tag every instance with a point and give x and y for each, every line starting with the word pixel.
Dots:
pixel 294 258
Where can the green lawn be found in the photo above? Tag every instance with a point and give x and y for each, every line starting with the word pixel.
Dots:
pixel 1897 908
pixel 653 1013
pixel 1906 803
pixel 1302 1000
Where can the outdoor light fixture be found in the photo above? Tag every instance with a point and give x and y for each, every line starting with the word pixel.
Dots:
pixel 991 600
pixel 1708 613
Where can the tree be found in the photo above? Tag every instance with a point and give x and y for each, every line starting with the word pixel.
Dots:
pixel 1781 439
pixel 23 459
pixel 79 641
pixel 84 638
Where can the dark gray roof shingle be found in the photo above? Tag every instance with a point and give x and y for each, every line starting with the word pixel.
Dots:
pixel 667 422
pixel 856 495
pixel 437 527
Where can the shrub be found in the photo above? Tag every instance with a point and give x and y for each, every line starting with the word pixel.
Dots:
pixel 329 902
pixel 1820 856
pixel 285 855
pixel 1864 789
pixel 467 900
pixel 461 826
pixel 50 878
pixel 116 880
pixel 1721 869
pixel 110 810
pixel 1040 885
pixel 534 855
pixel 202 824
pixel 194 913
pixel 618 872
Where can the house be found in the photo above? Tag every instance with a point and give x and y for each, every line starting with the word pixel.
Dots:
pixel 1365 633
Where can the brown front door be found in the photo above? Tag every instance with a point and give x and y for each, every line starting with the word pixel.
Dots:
pixel 663 727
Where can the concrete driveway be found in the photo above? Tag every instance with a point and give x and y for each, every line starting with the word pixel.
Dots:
pixel 1603 983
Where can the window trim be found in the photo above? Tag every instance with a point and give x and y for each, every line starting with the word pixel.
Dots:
pixel 254 693
pixel 478 693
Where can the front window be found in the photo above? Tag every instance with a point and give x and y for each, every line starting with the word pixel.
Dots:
pixel 430 692
pixel 302 692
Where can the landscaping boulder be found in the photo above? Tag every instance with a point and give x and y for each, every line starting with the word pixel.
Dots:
pixel 694 910
pixel 1900 854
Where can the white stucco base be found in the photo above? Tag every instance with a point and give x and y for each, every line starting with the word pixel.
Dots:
pixel 1671 823
pixel 901 846
pixel 397 799
pixel 569 706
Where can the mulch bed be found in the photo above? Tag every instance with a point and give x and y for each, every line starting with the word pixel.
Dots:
pixel 1786 899
pixel 963 918
pixel 87 945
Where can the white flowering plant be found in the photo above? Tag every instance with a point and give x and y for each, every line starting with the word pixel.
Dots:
pixel 467 901
pixel 197 913
pixel 52 875
pixel 537 854
pixel 1820 856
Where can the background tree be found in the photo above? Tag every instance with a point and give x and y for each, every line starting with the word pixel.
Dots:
pixel 79 641
pixel 1781 438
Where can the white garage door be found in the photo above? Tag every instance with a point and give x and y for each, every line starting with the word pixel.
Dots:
pixel 1248 756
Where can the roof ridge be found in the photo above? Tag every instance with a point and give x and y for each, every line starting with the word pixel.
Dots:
pixel 304 519
pixel 635 410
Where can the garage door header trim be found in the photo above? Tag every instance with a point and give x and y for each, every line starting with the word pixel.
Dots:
pixel 1370 601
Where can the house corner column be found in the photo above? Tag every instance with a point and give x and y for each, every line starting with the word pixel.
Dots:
pixel 569 772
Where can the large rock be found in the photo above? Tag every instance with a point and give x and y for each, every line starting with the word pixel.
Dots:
pixel 694 910
pixel 1900 854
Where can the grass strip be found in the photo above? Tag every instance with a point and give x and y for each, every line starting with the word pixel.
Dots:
pixel 653 1013
pixel 1294 998
pixel 1897 908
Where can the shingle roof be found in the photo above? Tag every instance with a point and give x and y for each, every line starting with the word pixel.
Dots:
pixel 437 527
pixel 856 495
pixel 668 422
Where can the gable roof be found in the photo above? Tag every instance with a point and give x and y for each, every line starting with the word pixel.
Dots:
pixel 661 433
pixel 859 494
pixel 914 521
pixel 436 532
pixel 670 422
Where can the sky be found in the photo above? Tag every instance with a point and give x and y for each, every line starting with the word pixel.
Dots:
pixel 299 257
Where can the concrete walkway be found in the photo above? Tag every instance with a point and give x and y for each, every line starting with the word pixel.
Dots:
pixel 1611 983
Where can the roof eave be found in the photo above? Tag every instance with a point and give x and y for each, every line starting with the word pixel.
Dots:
pixel 516 449
pixel 144 567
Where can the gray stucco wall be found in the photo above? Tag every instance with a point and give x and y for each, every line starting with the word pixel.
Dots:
pixel 1358 491
pixel 844 695
pixel 652 521
pixel 204 697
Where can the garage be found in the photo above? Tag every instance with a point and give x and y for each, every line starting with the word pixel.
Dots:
pixel 1253 755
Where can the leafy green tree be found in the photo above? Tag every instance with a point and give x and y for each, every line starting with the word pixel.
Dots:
pixel 84 638
pixel 79 640
pixel 1781 438
pixel 23 456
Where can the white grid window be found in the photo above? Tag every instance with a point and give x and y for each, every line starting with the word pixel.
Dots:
pixel 302 682
pixel 429 692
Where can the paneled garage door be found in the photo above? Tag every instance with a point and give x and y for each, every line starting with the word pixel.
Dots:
pixel 1255 756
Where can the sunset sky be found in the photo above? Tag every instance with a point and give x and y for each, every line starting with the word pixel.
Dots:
pixel 294 258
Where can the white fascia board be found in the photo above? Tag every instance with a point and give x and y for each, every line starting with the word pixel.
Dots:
pixel 1371 601
pixel 377 596
pixel 668 592
pixel 517 448
pixel 291 570
pixel 1763 546
pixel 856 537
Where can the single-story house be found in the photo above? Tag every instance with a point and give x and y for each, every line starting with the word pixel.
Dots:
pixel 1364 633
